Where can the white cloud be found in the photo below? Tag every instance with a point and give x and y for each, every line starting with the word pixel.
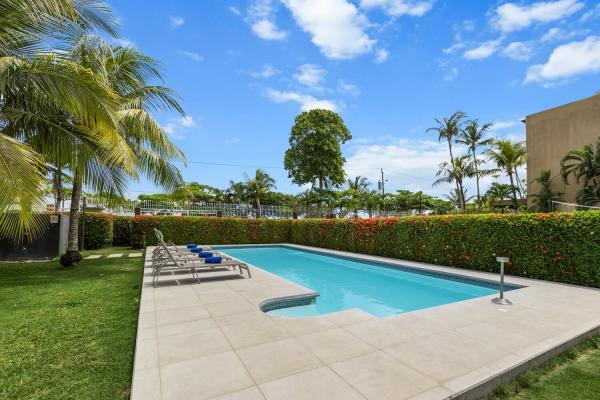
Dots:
pixel 400 7
pixel 511 16
pixel 311 75
pixel 267 72
pixel 336 26
pixel 176 21
pixel 518 51
pixel 267 30
pixel 192 55
pixel 235 11
pixel 591 14
pixel 483 51
pixel 233 140
pixel 451 75
pixel 187 121
pixel 503 125
pixel 176 127
pixel 262 20
pixel 456 46
pixel 468 25
pixel 306 102
pixel 407 163
pixel 348 88
pixel 381 56
pixel 123 42
pixel 568 60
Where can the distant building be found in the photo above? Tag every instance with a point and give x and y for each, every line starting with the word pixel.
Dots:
pixel 552 133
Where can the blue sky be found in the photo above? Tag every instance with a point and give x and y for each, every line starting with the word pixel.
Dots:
pixel 245 69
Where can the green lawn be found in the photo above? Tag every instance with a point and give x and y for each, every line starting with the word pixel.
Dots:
pixel 68 333
pixel 574 375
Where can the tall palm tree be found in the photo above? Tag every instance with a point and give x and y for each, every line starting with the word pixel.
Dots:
pixel 509 156
pixel 258 185
pixel 584 165
pixel 144 145
pixel 448 128
pixel 463 167
pixel 36 86
pixel 472 135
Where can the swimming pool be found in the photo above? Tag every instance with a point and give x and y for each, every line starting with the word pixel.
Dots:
pixel 345 283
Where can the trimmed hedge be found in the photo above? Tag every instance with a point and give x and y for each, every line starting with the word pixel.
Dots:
pixel 207 230
pixel 557 247
pixel 562 247
pixel 122 231
pixel 98 230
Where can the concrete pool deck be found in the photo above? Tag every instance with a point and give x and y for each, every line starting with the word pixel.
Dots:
pixel 210 340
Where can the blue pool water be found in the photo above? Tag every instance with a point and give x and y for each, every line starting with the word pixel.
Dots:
pixel 344 283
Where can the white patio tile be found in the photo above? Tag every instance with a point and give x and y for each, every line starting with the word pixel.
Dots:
pixel 115 255
pixel 93 257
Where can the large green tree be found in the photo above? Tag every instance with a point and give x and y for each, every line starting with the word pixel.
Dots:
pixel 545 196
pixel 463 167
pixel 38 88
pixel 315 154
pixel 584 165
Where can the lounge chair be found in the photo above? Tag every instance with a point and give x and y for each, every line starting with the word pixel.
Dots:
pixel 172 258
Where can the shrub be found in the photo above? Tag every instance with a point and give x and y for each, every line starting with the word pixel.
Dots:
pixel 98 230
pixel 207 230
pixel 122 231
pixel 562 247
pixel 557 247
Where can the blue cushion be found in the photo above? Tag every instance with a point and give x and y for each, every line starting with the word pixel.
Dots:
pixel 196 250
pixel 213 260
pixel 191 245
pixel 204 254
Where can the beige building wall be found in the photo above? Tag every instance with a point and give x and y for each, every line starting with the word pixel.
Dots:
pixel 552 133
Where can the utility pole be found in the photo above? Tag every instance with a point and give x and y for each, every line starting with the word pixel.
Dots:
pixel 382 189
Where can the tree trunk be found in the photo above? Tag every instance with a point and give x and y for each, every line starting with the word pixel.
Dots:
pixel 72 256
pixel 477 180
pixel 258 211
pixel 320 194
pixel 58 192
pixel 520 185
pixel 459 192
pixel 514 189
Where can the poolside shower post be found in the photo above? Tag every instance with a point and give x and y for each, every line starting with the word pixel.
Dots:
pixel 501 299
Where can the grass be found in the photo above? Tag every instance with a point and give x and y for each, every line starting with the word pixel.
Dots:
pixel 69 333
pixel 574 374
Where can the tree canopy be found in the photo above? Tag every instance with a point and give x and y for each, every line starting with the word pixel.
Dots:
pixel 315 155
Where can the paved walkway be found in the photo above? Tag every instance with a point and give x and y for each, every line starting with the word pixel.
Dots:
pixel 211 341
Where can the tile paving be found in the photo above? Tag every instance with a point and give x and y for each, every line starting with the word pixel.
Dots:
pixel 211 341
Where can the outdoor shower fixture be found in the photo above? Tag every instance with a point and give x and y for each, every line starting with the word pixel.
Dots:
pixel 501 299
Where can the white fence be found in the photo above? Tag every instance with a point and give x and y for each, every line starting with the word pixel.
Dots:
pixel 186 208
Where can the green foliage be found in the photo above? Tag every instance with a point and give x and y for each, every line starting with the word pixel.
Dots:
pixel 207 230
pixel 556 247
pixel 315 154
pixel 543 198
pixel 98 230
pixel 584 165
pixel 562 247
pixel 121 231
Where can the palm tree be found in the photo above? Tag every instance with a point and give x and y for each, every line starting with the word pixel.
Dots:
pixel 357 188
pixel 257 186
pixel 462 168
pixel 448 128
pixel 36 87
pixel 472 135
pixel 458 198
pixel 545 196
pixel 499 192
pixel 584 165
pixel 509 156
